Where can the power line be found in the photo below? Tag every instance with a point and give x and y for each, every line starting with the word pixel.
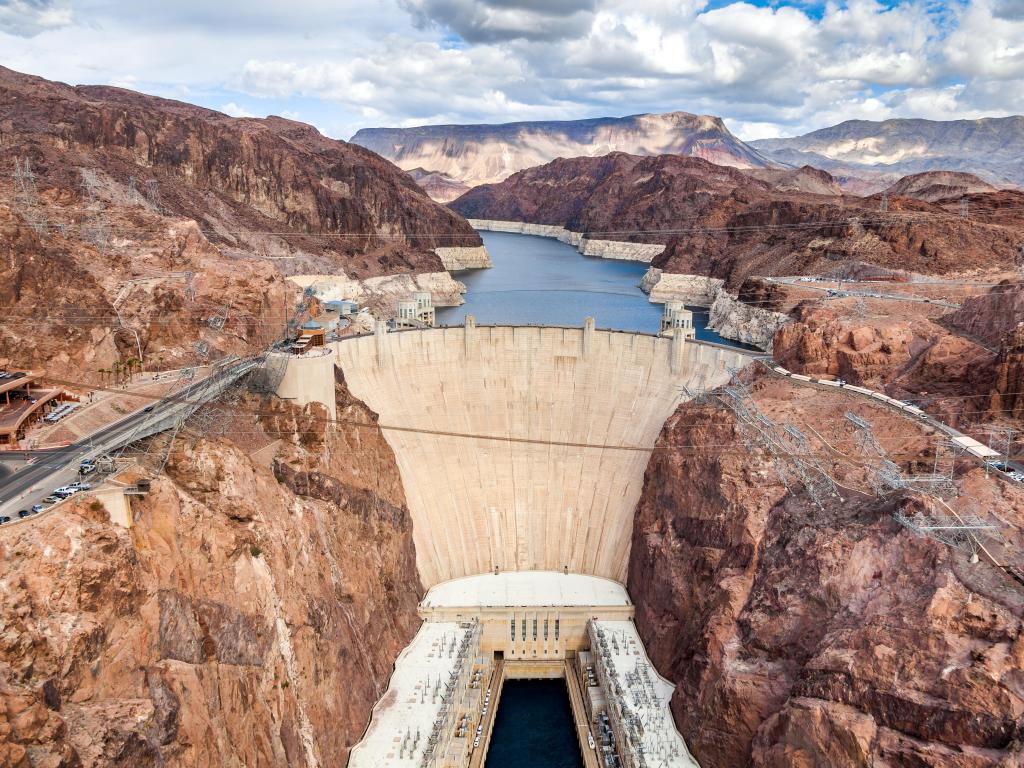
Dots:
pixel 904 217
pixel 327 420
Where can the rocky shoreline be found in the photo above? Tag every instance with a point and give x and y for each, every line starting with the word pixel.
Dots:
pixel 386 290
pixel 459 258
pixel 729 318
pixel 604 249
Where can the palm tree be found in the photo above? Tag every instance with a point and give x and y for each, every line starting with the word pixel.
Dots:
pixel 132 363
pixel 115 369
pixel 103 374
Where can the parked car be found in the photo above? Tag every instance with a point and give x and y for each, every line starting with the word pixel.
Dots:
pixel 51 499
pixel 37 508
pixel 4 519
pixel 23 513
pixel 80 486
pixel 85 469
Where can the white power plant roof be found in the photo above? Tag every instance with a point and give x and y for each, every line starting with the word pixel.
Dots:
pixel 411 703
pixel 647 695
pixel 526 588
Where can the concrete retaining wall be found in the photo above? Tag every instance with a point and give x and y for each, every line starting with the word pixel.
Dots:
pixel 309 378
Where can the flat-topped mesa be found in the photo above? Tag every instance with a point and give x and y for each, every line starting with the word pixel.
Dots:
pixel 524 448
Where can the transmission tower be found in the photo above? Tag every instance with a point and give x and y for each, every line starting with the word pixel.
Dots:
pixel 884 204
pixel 26 197
pixel 791 452
pixel 886 476
pixel 964 208
pixel 133 191
pixel 94 224
pixel 153 195
pixel 963 532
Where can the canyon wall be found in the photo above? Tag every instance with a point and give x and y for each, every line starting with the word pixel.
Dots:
pixel 480 154
pixel 748 324
pixel 729 224
pixel 663 286
pixel 145 217
pixel 755 323
pixel 569 415
pixel 799 636
pixel 250 617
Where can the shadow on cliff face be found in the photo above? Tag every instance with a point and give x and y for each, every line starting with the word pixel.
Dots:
pixel 819 637
pixel 251 616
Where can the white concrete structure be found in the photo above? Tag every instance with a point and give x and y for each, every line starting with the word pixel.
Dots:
pixel 309 378
pixel 405 717
pixel 676 319
pixel 567 418
pixel 637 698
pixel 526 589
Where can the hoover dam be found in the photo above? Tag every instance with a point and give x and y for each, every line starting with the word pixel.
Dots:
pixel 522 452
pixel 523 448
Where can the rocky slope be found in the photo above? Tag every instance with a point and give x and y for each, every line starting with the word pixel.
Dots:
pixel 800 636
pixel 992 148
pixel 440 187
pixel 129 195
pixel 933 186
pixel 1007 392
pixel 904 354
pixel 483 154
pixel 721 222
pixel 804 179
pixel 250 617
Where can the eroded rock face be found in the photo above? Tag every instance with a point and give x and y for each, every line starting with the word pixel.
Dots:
pixel 806 637
pixel 251 617
pixel 905 355
pixel 1007 396
pixel 149 217
pixel 725 223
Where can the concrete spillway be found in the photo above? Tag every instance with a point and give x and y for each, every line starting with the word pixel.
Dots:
pixel 569 416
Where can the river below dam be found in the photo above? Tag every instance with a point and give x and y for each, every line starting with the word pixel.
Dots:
pixel 543 281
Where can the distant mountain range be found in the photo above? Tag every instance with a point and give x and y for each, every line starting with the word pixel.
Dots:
pixel 483 154
pixel 992 148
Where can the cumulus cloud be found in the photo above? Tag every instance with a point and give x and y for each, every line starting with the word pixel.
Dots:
pixel 786 66
pixel 28 18
pixel 232 109
pixel 496 20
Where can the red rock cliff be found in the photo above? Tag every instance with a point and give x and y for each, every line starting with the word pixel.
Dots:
pixel 251 617
pixel 806 637
pixel 726 223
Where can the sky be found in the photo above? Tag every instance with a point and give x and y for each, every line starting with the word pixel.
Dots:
pixel 770 68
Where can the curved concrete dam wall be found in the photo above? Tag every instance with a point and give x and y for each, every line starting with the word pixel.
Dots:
pixel 571 415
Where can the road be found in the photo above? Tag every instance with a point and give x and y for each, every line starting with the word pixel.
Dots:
pixel 839 293
pixel 921 416
pixel 55 467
